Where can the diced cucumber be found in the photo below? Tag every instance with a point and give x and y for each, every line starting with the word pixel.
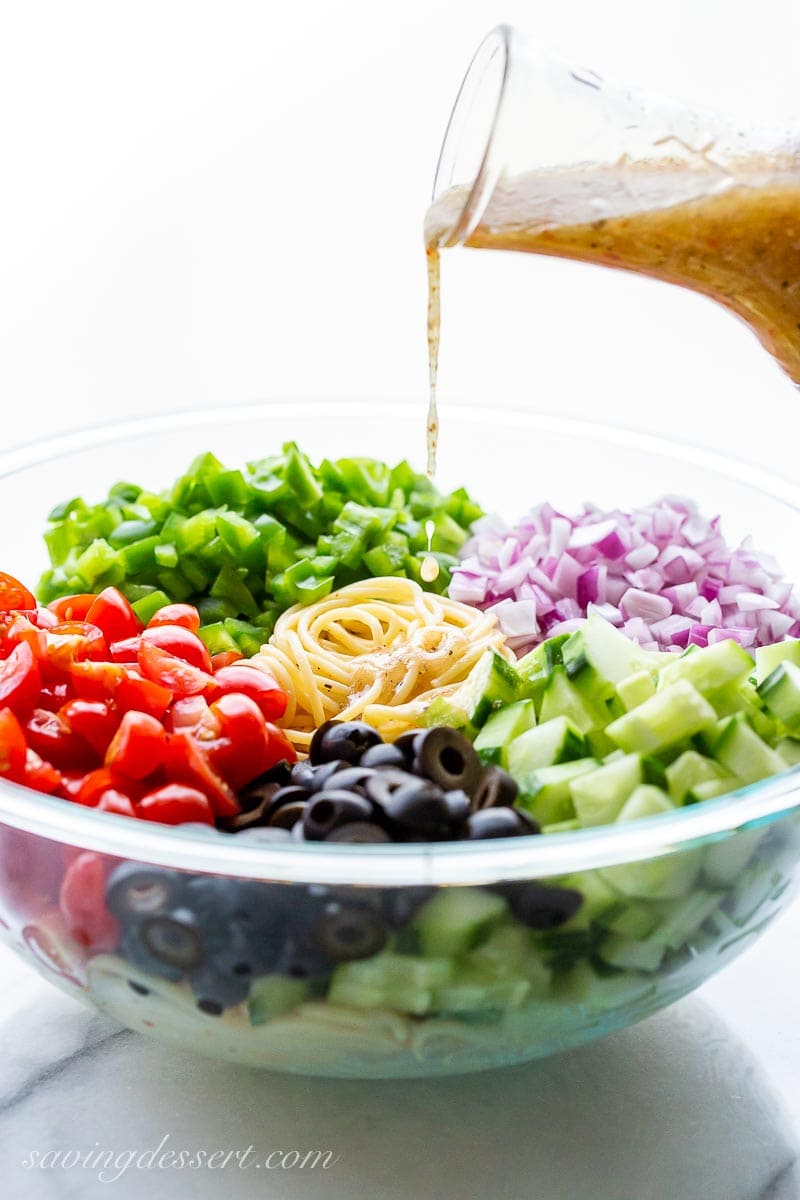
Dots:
pixel 598 797
pixel 709 668
pixel 454 918
pixel 619 951
pixel 666 878
pixel 666 718
pixel 535 668
pixel 633 690
pixel 271 995
pixel 470 991
pixel 552 742
pixel 491 683
pixel 709 789
pixel 403 982
pixel 502 728
pixel 509 953
pixel 561 698
pixel 546 794
pixel 685 917
pixel 597 656
pixel 754 887
pixel 598 898
pixel 742 751
pixel 769 657
pixel 687 771
pixel 726 859
pixel 645 801
pixel 780 692
pixel 634 919
pixel 569 826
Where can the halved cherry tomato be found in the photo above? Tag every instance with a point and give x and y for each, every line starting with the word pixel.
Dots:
pixel 53 696
pixel 42 618
pixel 179 641
pixel 280 748
pixel 125 651
pixel 87 789
pixel 192 713
pixel 13 594
pixel 83 904
pixel 241 753
pixel 20 628
pixel 74 641
pixel 116 802
pixel 135 694
pixel 257 684
pixel 225 658
pixel 97 680
pixel 72 608
pixel 95 720
pixel 13 746
pixel 113 616
pixel 20 680
pixel 165 668
pixel 186 763
pixel 174 804
pixel 138 747
pixel 185 615
pixel 40 775
pixel 50 735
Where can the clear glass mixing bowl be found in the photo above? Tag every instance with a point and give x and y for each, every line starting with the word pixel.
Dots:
pixel 476 987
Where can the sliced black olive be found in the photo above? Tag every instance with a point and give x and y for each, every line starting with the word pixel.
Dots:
pixel 324 771
pixel 418 811
pixel 382 785
pixel 251 795
pixel 459 806
pixel 216 991
pixel 346 933
pixel 134 890
pixel 357 832
pixel 174 939
pixel 287 816
pixel 406 743
pixel 256 815
pixel 499 823
pixel 328 810
pixel 540 905
pixel 385 755
pixel 288 795
pixel 446 757
pixel 342 739
pixel 350 777
pixel 303 775
pixel 494 789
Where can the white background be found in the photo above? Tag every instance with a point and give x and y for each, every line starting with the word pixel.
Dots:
pixel 208 203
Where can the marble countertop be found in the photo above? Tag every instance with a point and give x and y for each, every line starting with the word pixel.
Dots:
pixel 701 1102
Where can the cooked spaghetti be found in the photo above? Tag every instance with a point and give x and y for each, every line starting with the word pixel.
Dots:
pixel 379 651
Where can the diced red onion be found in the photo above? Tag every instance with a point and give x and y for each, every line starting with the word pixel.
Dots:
pixel 681 583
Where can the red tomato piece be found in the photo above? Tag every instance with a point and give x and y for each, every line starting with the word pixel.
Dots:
pixel 257 684
pixel 142 695
pixel 20 680
pixel 112 614
pixel 126 651
pixel 20 628
pixel 138 747
pixel 280 748
pixel 82 901
pixel 74 641
pixel 40 775
pixel 186 763
pixel 188 713
pixel 175 804
pixel 97 680
pixel 95 720
pixel 42 618
pixel 179 641
pixel 172 672
pixel 88 788
pixel 50 735
pixel 13 746
pixel 116 802
pixel 53 696
pixel 225 658
pixel 185 615
pixel 241 754
pixel 72 608
pixel 13 594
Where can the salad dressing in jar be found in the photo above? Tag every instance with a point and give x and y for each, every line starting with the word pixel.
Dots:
pixel 543 158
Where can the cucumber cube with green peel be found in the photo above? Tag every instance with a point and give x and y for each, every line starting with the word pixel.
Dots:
pixel 454 918
pixel 726 859
pixel 633 690
pixel 597 656
pixel 789 750
pixel 598 797
pixel 271 995
pixel 710 668
pixel 645 801
pixel 554 741
pixel 492 683
pixel 690 769
pixel 665 878
pixel 709 789
pixel 668 717
pixel 769 657
pixel 739 748
pixel 780 693
pixel 404 982
pixel 628 954
pixel 471 991
pixel 546 794
pixel 561 698
pixel 502 728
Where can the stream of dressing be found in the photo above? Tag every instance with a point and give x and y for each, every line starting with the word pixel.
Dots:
pixel 430 568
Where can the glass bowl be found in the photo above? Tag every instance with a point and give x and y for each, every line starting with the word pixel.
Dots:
pixel 457 970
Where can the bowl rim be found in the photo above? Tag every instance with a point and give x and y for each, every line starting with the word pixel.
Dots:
pixel 410 864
